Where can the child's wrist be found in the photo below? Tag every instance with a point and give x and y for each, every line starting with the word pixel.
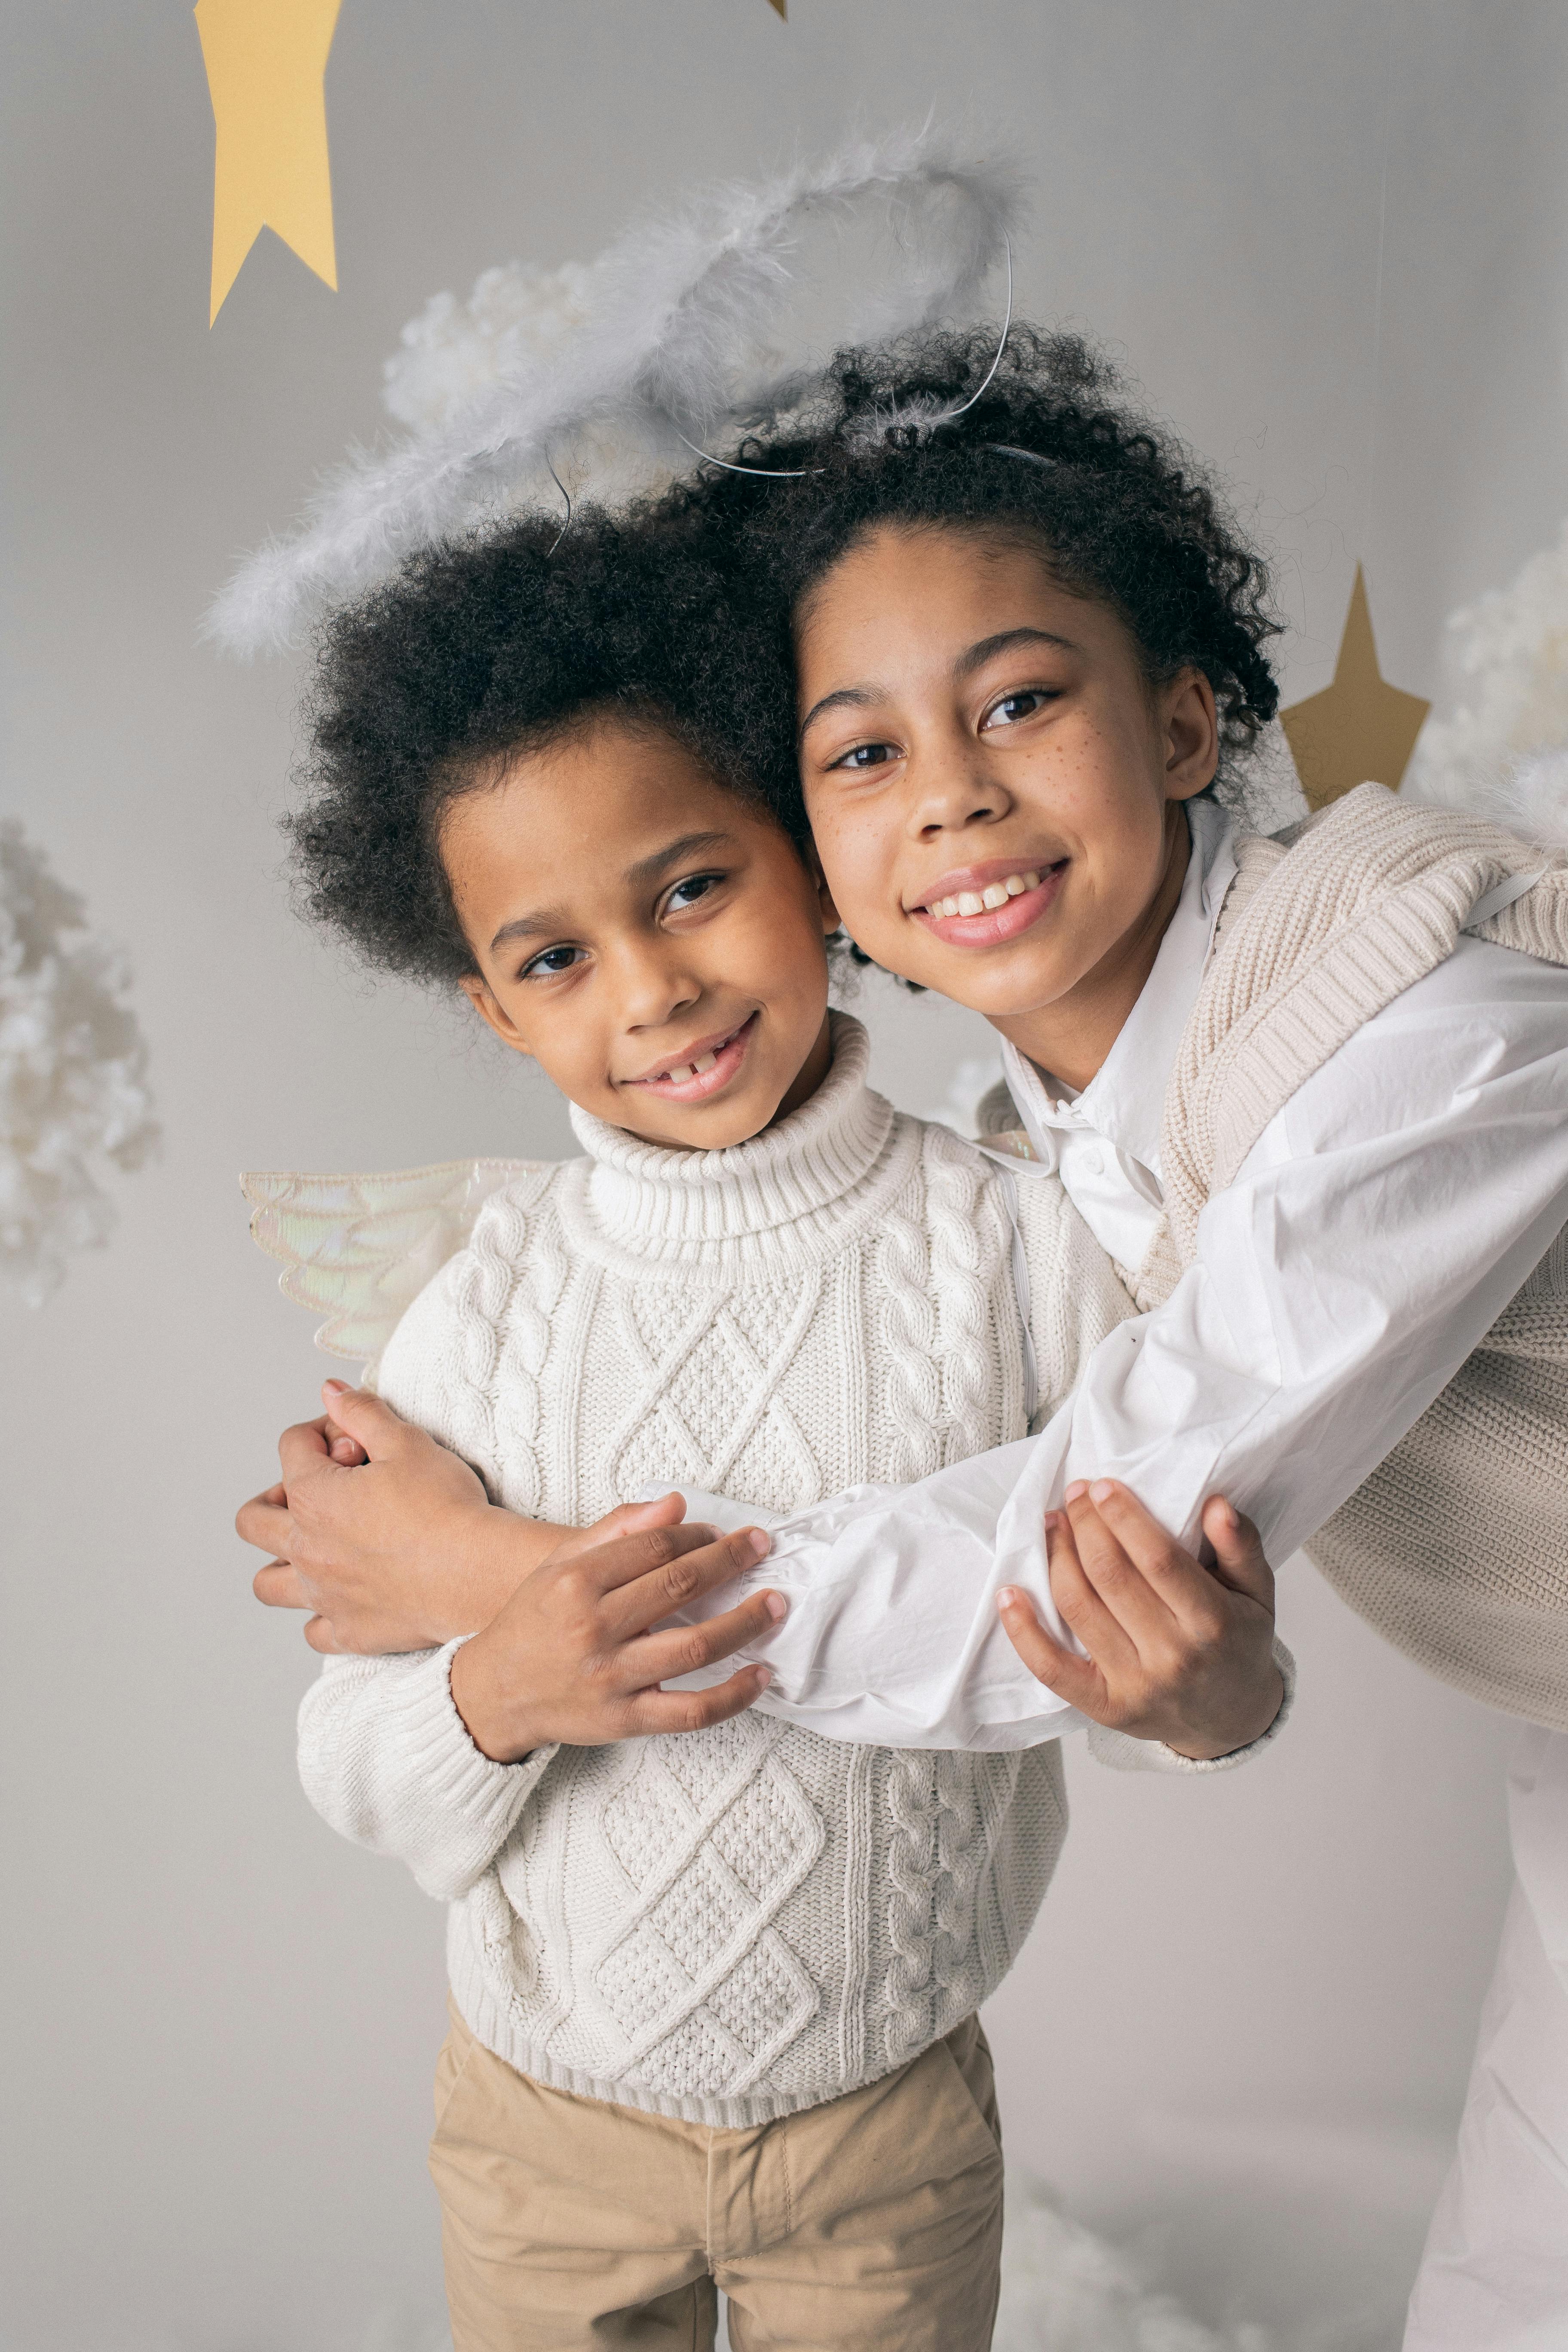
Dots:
pixel 479 1697
pixel 481 1558
pixel 1243 1733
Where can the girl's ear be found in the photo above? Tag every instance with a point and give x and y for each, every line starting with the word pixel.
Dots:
pixel 1192 735
pixel 489 1009
pixel 832 920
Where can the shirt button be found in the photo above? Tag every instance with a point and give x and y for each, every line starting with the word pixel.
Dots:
pixel 1093 1163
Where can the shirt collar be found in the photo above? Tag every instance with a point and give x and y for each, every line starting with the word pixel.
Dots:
pixel 1125 1099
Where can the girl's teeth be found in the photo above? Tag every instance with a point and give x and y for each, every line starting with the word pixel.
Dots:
pixel 703 1062
pixel 980 902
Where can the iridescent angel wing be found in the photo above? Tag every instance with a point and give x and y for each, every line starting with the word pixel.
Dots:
pixel 361 1248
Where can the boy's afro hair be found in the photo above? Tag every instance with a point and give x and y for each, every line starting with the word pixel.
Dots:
pixel 1050 453
pixel 482 647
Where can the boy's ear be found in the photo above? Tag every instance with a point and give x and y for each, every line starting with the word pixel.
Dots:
pixel 490 1010
pixel 1192 735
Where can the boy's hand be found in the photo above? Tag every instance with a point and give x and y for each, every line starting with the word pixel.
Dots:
pixel 571 1655
pixel 1177 1652
pixel 401 1553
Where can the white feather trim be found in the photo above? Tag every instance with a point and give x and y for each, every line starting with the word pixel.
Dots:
pixel 676 343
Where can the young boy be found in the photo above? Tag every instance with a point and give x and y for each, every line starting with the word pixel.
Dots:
pixel 714 1995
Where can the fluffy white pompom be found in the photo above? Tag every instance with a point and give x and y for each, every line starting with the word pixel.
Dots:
pixel 72 1067
pixel 1504 749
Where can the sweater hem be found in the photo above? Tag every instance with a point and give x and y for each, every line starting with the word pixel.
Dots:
pixel 487 2020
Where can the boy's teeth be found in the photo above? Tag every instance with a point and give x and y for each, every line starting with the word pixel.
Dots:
pixel 703 1062
pixel 980 902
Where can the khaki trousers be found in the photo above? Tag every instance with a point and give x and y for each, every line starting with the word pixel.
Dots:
pixel 871 2223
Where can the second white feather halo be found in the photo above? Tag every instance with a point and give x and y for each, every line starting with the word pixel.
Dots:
pixel 675 343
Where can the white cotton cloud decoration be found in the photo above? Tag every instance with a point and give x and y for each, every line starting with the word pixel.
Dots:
pixel 1503 748
pixel 72 1073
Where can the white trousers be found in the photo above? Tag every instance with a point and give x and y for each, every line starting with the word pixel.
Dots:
pixel 1494 2276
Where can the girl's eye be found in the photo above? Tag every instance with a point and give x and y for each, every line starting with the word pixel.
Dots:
pixel 552 961
pixel 867 755
pixel 695 887
pixel 1013 707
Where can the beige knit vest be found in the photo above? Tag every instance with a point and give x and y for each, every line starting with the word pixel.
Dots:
pixel 1456 1548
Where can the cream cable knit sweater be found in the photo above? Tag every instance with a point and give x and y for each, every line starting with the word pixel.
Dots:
pixel 748 1921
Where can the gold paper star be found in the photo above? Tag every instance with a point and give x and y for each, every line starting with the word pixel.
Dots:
pixel 266 60
pixel 1359 730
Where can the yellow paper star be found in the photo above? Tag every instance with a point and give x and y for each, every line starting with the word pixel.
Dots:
pixel 265 61
pixel 1358 730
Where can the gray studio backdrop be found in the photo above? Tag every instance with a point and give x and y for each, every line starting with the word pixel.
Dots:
pixel 1248 2005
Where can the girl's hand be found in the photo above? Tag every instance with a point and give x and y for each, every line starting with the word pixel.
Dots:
pixel 572 1655
pixel 1177 1652
pixel 402 1552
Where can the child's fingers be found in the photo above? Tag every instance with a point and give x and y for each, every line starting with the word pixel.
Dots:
pixel 303 1448
pixel 1172 1574
pixel 1239 1559
pixel 1080 1606
pixel 362 1415
pixel 656 1710
pixel 278 1586
pixel 1132 1564
pixel 1078 1680
pixel 658 1571
pixel 320 1637
pixel 654 1658
pixel 264 1521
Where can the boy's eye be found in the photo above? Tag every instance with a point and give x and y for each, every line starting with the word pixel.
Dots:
pixel 551 962
pixel 695 887
pixel 867 755
pixel 1013 708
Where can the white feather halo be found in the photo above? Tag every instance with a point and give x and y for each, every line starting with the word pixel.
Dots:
pixel 675 345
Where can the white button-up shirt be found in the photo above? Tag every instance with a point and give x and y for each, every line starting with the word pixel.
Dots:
pixel 1376 1231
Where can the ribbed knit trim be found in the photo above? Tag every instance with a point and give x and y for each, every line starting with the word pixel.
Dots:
pixel 463 1782
pixel 487 2019
pixel 661 1202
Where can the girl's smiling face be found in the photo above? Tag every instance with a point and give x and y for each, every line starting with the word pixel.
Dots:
pixel 994 784
pixel 651 938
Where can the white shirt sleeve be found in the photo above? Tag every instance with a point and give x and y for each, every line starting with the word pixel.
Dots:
pixel 1377 1229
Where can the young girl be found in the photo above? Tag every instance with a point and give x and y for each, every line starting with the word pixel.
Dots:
pixel 713 1992
pixel 1310 1100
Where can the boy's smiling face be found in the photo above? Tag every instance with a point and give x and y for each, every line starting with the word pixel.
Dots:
pixel 992 783
pixel 651 939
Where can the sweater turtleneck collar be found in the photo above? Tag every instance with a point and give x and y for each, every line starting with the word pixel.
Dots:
pixel 649 1194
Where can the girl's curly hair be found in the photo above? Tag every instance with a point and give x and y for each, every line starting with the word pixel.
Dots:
pixel 480 648
pixel 1050 454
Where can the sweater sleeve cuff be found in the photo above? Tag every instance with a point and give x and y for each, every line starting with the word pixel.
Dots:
pixel 459 1778
pixel 1124 1753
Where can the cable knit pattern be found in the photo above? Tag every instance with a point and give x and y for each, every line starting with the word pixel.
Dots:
pixel 1455 1549
pixel 746 1921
